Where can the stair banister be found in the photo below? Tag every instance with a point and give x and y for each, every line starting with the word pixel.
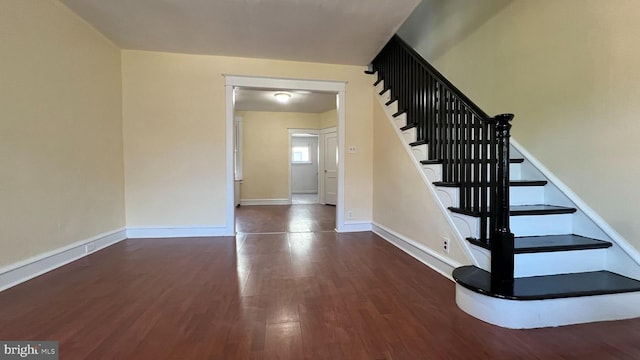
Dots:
pixel 472 147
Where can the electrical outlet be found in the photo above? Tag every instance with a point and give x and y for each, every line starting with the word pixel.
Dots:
pixel 352 149
pixel 349 214
pixel 445 245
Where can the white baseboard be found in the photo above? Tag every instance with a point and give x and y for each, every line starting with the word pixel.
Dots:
pixel 355 226
pixel 167 232
pixel 420 252
pixel 27 269
pixel 265 202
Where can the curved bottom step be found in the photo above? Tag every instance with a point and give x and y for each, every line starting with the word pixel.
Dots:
pixel 552 300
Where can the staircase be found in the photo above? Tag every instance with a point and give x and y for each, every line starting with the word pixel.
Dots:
pixel 536 259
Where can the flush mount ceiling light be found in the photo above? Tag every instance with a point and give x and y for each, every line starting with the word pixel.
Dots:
pixel 282 97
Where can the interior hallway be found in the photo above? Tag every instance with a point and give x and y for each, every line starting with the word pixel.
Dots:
pixel 291 295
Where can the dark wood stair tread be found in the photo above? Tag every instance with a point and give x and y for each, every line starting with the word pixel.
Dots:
pixel 511 161
pixel 400 112
pixel 548 286
pixel 391 101
pixel 511 183
pixel 418 143
pixel 520 210
pixel 550 243
pixel 407 127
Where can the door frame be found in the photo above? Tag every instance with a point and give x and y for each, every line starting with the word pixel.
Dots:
pixel 292 134
pixel 273 83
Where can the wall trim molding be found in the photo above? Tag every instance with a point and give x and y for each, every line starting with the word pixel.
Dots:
pixel 265 202
pixel 355 226
pixel 178 231
pixel 418 251
pixel 24 270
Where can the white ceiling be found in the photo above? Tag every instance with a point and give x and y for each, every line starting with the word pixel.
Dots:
pixel 327 31
pixel 301 101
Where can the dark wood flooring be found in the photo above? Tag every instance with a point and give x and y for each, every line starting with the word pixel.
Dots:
pixel 285 218
pixel 308 295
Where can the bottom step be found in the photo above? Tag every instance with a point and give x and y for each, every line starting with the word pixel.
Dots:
pixel 551 300
pixel 548 286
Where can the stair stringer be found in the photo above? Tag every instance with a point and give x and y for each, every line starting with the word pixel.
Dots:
pixel 425 174
pixel 622 257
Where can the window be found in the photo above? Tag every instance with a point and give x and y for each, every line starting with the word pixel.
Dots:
pixel 300 154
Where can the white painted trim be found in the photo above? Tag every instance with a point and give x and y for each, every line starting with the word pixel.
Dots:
pixel 265 202
pixel 303 131
pixel 356 226
pixel 338 87
pixel 284 83
pixel 230 202
pixel 342 115
pixel 420 252
pixel 178 231
pixel 579 203
pixel 21 271
pixel 529 314
pixel 464 244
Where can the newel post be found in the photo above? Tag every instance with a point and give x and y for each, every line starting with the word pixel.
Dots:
pixel 502 240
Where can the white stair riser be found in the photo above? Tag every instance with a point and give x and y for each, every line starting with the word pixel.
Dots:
pixel 548 263
pixel 515 171
pixel 386 96
pixel 379 87
pixel 522 225
pixel 518 195
pixel 400 120
pixel 420 152
pixel 433 172
pixel 559 262
pixel 393 107
pixel 410 135
pixel 526 195
pixel 538 225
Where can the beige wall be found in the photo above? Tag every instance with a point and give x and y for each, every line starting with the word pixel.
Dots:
pixel 568 69
pixel 265 151
pixel 329 119
pixel 60 130
pixel 174 133
pixel 401 200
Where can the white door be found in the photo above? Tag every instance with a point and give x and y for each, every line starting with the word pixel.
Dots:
pixel 330 168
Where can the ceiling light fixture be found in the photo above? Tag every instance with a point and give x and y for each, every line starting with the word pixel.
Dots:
pixel 282 97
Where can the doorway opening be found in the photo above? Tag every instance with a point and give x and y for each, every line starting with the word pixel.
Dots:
pixel 303 158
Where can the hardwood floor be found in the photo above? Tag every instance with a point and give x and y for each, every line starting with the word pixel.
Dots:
pixel 299 295
pixel 285 218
